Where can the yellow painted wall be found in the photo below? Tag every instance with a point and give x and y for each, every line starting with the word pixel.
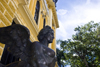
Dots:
pixel 23 11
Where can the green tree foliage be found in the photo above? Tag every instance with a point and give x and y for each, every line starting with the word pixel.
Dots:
pixel 83 50
pixel 60 57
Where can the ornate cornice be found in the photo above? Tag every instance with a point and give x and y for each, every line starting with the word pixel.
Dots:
pixel 51 5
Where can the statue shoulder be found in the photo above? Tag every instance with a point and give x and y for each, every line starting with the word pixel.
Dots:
pixel 36 44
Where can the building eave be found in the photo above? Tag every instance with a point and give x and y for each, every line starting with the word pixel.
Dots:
pixel 51 5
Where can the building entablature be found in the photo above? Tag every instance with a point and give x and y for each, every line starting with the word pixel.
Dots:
pixel 51 5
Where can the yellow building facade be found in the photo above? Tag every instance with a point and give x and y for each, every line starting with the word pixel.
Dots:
pixel 34 14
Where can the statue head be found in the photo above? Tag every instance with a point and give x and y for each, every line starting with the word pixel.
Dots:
pixel 47 33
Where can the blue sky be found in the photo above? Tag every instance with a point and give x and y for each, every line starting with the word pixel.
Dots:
pixel 72 13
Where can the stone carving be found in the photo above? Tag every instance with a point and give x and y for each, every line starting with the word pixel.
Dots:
pixel 32 54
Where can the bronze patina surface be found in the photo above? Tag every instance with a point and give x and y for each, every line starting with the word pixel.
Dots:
pixel 32 54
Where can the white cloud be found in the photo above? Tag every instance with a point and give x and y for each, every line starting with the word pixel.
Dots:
pixel 88 1
pixel 79 15
pixel 62 12
pixel 88 12
pixel 68 66
pixel 61 32
pixel 93 14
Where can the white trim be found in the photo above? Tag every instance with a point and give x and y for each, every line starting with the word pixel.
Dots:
pixel 1 47
pixel 46 5
pixel 5 17
pixel 2 22
pixel 31 18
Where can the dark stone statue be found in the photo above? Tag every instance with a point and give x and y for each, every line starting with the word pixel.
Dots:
pixel 32 54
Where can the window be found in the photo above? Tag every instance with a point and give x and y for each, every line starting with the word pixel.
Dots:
pixel 44 23
pixel 37 12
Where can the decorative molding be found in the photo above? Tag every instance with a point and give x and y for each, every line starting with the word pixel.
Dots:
pixel 31 18
pixel 43 14
pixel 1 47
pixel 51 5
pixel 25 2
pixel 28 20
pixel 46 6
pixel 38 0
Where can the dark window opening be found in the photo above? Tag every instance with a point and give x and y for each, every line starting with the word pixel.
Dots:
pixel 44 23
pixel 36 16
